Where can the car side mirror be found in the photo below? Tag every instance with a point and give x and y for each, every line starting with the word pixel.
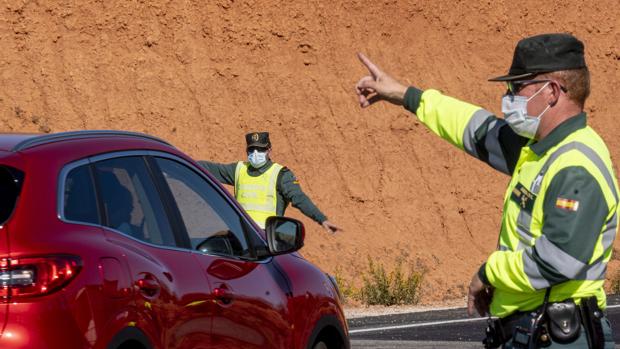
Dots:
pixel 284 235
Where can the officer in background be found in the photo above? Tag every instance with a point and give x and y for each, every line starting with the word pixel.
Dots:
pixel 265 188
pixel 545 280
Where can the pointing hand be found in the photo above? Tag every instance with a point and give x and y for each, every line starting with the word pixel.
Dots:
pixel 378 86
pixel 330 227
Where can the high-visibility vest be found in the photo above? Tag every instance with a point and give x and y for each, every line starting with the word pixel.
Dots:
pixel 526 261
pixel 257 195
pixel 522 224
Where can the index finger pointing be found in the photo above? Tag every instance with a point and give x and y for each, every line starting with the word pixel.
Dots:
pixel 374 70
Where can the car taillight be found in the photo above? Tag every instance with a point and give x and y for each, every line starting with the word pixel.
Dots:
pixel 36 276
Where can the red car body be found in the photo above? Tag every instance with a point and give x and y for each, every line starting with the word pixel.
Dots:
pixel 68 283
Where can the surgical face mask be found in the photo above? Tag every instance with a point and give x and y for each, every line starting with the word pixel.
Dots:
pixel 515 113
pixel 257 158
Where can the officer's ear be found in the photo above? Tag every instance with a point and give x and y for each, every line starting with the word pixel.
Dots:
pixel 556 92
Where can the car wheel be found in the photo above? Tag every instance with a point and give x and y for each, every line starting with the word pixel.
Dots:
pixel 320 345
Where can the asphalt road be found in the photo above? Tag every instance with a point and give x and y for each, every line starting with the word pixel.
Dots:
pixel 436 329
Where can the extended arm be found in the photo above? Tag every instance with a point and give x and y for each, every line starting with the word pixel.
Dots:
pixel 469 127
pixel 291 191
pixel 225 173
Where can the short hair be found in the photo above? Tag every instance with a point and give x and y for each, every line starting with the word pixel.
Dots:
pixel 576 82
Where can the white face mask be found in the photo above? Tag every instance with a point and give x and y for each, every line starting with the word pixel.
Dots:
pixel 257 158
pixel 515 114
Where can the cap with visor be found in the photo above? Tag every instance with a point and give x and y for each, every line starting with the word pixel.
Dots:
pixel 543 54
pixel 258 140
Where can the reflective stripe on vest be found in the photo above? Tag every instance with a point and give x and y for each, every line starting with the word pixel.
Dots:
pixel 257 195
pixel 547 251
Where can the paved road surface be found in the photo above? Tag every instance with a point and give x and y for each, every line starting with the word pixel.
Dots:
pixel 435 329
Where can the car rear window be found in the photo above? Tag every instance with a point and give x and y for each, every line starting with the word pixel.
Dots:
pixel 10 186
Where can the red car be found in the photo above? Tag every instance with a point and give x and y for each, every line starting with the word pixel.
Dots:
pixel 117 240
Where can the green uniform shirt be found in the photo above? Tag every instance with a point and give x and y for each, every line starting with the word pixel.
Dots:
pixel 287 187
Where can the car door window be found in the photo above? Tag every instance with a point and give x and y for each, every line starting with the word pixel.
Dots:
pixel 210 220
pixel 131 201
pixel 80 203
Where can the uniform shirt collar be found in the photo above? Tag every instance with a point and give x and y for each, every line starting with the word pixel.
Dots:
pixel 567 127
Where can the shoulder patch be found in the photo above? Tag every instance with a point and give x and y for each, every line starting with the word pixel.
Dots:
pixel 567 204
pixel 523 197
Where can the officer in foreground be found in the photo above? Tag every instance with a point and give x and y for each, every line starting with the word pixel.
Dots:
pixel 265 188
pixel 545 280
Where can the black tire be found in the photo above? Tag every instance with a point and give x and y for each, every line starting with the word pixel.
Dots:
pixel 328 334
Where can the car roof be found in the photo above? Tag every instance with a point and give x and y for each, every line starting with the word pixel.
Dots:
pixel 15 142
pixel 9 140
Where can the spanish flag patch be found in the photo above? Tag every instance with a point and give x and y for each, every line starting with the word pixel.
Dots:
pixel 567 204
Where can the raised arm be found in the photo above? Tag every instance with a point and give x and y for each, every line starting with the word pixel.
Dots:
pixel 467 126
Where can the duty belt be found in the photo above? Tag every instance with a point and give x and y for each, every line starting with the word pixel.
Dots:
pixel 500 331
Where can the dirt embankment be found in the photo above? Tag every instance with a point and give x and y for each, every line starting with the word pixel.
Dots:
pixel 201 74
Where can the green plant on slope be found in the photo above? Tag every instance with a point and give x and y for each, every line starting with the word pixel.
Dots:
pixel 395 288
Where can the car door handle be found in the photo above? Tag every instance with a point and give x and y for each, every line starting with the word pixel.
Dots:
pixel 223 294
pixel 148 285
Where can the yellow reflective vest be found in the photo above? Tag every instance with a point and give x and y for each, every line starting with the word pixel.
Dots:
pixel 257 195
pixel 560 210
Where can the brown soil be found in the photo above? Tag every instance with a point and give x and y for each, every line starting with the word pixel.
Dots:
pixel 201 74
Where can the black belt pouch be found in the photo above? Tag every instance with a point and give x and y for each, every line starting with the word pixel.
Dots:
pixel 591 315
pixel 564 321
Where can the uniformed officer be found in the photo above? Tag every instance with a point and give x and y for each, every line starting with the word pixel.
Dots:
pixel 265 188
pixel 560 208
